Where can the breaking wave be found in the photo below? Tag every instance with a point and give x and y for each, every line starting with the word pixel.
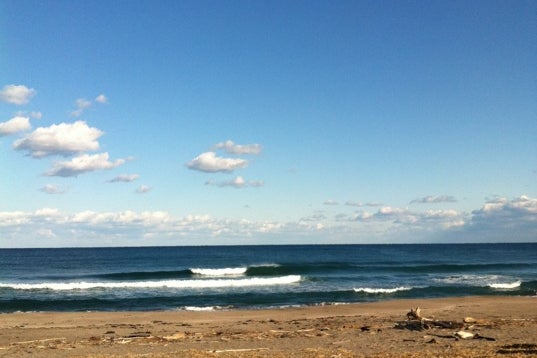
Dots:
pixel 206 283
pixel 381 290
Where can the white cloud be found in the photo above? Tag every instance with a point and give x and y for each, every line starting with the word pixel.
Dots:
pixel 16 94
pixel 210 163
pixel 82 164
pixel 232 148
pixel 373 204
pixel 52 189
pixel 101 99
pixel 81 105
pixel 354 203
pixel 60 139
pixel 142 189
pixel 502 220
pixel 13 218
pixel 434 199
pixel 124 178
pixel 14 125
pixel 330 203
pixel 237 182
pixel 504 211
pixel 36 114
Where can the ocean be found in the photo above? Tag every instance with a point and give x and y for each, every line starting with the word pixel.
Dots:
pixel 255 277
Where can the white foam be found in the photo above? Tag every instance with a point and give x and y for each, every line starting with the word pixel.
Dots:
pixel 213 283
pixel 505 286
pixel 467 280
pixel 228 271
pixel 381 290
pixel 201 309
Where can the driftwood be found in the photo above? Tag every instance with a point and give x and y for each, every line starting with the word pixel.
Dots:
pixel 417 322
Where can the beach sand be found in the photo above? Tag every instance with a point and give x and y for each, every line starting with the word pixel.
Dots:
pixel 353 330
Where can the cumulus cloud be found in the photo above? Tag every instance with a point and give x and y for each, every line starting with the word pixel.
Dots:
pixel 16 94
pixel 232 148
pixel 14 125
pixel 431 219
pixel 210 163
pixel 52 189
pixel 506 212
pixel 82 164
pixel 124 178
pixel 354 203
pixel 506 220
pixel 60 139
pixel 142 189
pixel 101 99
pixel 237 182
pixel 434 199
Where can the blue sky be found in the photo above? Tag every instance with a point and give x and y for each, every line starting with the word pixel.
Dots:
pixel 251 122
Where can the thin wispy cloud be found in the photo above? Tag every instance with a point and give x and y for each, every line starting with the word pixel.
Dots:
pixel 431 199
pixel 374 204
pixel 142 189
pixel 124 178
pixel 16 94
pixel 330 203
pixel 101 99
pixel 237 183
pixel 52 189
pixel 60 139
pixel 14 125
pixel 81 105
pixel 231 148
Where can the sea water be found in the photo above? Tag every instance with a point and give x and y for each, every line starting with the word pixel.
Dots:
pixel 239 277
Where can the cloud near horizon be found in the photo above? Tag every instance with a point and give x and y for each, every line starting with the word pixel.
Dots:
pixel 16 94
pixel 62 139
pixel 517 216
pixel 431 199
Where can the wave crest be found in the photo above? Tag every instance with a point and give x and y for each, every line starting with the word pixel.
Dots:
pixel 192 284
pixel 228 271
pixel 505 286
pixel 381 290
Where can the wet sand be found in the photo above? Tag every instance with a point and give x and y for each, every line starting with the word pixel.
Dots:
pixel 503 327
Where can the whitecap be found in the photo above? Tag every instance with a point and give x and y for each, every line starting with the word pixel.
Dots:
pixel 192 284
pixel 505 286
pixel 381 290
pixel 227 271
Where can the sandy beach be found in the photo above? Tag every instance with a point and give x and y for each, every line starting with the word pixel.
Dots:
pixel 501 326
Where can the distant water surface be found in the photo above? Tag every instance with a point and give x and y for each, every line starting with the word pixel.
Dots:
pixel 238 277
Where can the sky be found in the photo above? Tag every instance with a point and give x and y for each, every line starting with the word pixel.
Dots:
pixel 135 123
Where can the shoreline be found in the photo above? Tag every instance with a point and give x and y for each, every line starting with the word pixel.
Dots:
pixel 347 330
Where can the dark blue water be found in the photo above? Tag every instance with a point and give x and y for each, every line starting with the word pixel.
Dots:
pixel 235 277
